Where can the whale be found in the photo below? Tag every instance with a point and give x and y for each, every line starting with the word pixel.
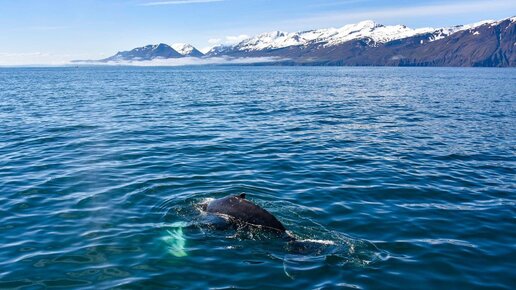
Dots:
pixel 238 210
pixel 238 213
pixel 230 212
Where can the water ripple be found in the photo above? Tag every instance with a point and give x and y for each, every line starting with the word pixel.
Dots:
pixel 392 179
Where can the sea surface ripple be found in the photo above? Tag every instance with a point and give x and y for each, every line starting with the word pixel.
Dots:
pixel 405 176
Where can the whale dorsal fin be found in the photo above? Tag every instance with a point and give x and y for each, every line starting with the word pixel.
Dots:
pixel 242 196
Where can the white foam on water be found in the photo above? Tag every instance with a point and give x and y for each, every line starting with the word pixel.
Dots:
pixel 324 242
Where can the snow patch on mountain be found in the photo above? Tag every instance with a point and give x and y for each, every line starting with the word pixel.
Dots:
pixel 186 49
pixel 441 33
pixel 183 48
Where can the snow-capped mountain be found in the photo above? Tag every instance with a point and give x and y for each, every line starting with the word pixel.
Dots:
pixel 368 30
pixel 148 52
pixel 332 36
pixel 485 43
pixel 187 50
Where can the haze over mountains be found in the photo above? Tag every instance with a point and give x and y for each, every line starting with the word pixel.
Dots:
pixel 487 43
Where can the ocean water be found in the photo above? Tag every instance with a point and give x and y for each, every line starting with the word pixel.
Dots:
pixel 399 177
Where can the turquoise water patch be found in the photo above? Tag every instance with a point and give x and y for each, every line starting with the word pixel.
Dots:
pixel 175 240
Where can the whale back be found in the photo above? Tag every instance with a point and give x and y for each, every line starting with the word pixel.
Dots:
pixel 241 209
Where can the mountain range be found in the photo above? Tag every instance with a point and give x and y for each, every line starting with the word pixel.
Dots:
pixel 486 43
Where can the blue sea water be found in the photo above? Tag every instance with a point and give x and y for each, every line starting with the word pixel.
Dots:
pixel 402 177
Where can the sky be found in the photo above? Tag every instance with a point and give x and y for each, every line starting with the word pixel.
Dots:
pixel 57 31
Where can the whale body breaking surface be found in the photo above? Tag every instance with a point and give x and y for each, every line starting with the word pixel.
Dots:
pixel 240 210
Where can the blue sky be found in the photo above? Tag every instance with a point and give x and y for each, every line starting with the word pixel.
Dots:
pixel 53 31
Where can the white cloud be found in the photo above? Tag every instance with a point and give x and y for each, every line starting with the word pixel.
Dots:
pixel 194 61
pixel 234 39
pixel 205 49
pixel 8 59
pixel 178 2
pixel 32 58
pixel 228 40
pixel 214 40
